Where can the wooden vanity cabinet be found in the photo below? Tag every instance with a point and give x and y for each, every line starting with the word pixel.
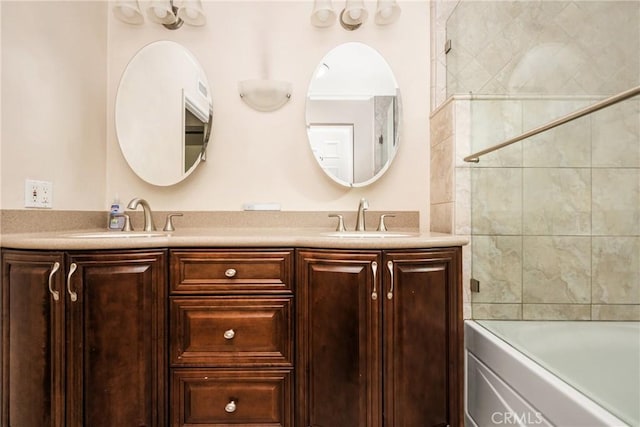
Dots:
pixel 379 337
pixel 83 338
pixel 231 337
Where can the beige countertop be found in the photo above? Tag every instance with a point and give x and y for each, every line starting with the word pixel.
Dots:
pixel 228 237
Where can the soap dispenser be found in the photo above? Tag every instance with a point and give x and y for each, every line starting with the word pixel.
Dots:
pixel 116 222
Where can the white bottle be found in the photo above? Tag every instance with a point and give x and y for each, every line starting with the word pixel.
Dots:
pixel 116 222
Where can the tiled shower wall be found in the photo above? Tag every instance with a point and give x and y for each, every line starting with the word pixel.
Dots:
pixel 538 47
pixel 555 219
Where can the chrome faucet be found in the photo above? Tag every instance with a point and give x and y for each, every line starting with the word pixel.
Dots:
pixel 360 222
pixel 148 219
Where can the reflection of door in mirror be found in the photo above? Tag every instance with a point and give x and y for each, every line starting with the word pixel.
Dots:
pixel 354 85
pixel 193 139
pixel 333 147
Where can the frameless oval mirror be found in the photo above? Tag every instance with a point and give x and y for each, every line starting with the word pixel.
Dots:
pixel 353 113
pixel 163 113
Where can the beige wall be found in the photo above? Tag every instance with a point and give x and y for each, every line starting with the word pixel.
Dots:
pixel 53 101
pixel 58 56
pixel 257 156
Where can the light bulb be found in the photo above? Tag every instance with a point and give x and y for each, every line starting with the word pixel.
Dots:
pixel 160 12
pixel 355 14
pixel 192 13
pixel 323 15
pixel 386 12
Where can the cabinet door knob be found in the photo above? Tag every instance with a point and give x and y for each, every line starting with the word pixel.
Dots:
pixel 230 407
pixel 72 269
pixel 229 334
pixel 231 272
pixel 54 269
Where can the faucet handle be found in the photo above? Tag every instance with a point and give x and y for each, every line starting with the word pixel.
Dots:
pixel 127 221
pixel 381 225
pixel 340 226
pixel 168 225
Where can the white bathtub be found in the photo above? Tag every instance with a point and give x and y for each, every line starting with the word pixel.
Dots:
pixel 552 373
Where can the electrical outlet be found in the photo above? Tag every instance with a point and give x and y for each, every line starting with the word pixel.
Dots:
pixel 38 194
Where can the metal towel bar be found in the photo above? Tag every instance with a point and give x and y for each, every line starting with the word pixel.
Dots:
pixel 475 157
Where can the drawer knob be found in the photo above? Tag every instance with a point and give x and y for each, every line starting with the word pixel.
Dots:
pixel 229 334
pixel 230 272
pixel 230 407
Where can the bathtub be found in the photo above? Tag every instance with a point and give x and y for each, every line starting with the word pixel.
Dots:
pixel 552 373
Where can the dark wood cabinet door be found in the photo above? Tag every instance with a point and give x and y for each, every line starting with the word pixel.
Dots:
pixel 116 354
pixel 421 346
pixel 338 337
pixel 32 339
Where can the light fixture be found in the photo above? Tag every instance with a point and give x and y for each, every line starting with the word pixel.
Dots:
pixel 264 94
pixel 165 13
pixel 353 15
pixel 387 12
pixel 323 14
pixel 128 12
pixel 190 11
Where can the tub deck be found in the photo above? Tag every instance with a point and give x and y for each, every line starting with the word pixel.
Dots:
pixel 560 373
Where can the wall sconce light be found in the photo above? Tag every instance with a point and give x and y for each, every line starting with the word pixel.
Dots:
pixel 323 14
pixel 162 12
pixel 192 13
pixel 264 95
pixel 353 15
pixel 128 12
pixel 387 12
pixel 165 13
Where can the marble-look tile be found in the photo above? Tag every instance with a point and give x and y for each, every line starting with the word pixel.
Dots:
pixel 442 217
pixel 565 146
pixel 493 122
pixel 442 123
pixel 441 171
pixel 556 201
pixel 462 131
pixel 497 311
pixel 616 135
pixel 616 202
pixel 496 200
pixel 556 269
pixel 497 264
pixel 616 270
pixel 556 312
pixel 462 209
pixel 615 312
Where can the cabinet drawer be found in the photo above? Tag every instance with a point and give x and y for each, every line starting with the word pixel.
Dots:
pixel 198 272
pixel 231 397
pixel 231 331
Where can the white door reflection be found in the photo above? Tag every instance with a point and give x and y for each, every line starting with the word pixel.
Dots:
pixel 332 145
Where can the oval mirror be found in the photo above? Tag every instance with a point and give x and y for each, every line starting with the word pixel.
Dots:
pixel 353 113
pixel 163 113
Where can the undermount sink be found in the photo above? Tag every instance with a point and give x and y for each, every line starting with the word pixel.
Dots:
pixel 115 234
pixel 368 234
